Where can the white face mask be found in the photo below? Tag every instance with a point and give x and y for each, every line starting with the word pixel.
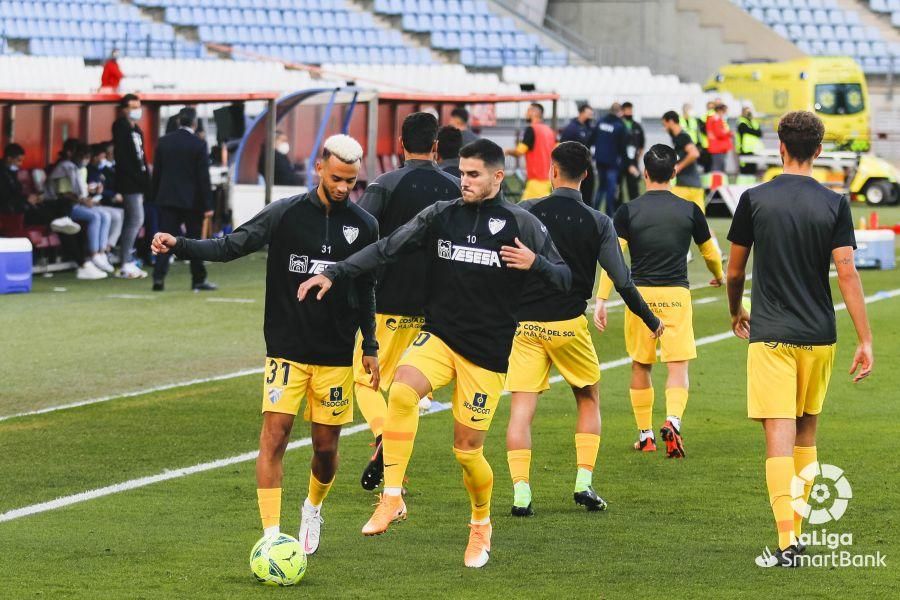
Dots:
pixel 136 114
pixel 104 164
pixel 13 168
pixel 283 147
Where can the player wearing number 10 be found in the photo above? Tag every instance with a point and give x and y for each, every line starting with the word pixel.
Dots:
pixel 309 345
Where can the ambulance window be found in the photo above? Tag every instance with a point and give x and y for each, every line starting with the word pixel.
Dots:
pixel 839 99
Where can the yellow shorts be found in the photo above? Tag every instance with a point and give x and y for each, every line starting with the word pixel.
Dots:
pixel 673 307
pixel 536 188
pixel 394 333
pixel 785 381
pixel 691 194
pixel 566 344
pixel 478 390
pixel 328 391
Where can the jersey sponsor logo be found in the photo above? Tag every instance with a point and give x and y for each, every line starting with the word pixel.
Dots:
pixel 303 264
pixel 477 406
pixel 404 323
pixel 495 225
pixel 467 254
pixel 774 345
pixel 351 233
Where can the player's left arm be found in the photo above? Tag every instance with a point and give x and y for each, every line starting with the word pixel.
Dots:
pixel 612 261
pixel 843 244
pixel 711 255
pixel 546 262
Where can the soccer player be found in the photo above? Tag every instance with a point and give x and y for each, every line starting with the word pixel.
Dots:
pixel 478 249
pixel 687 177
pixel 309 345
pixel 393 199
pixel 658 227
pixel 553 331
pixel 537 142
pixel 796 227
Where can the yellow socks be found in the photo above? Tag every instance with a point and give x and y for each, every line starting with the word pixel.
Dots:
pixel 676 400
pixel 399 434
pixel 642 403
pixel 519 464
pixel 372 406
pixel 317 490
pixel 479 481
pixel 803 457
pixel 269 500
pixel 779 472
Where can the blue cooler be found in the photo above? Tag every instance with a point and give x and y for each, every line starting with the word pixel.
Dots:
pixel 875 249
pixel 15 265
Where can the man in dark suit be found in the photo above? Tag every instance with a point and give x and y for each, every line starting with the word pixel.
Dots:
pixel 182 191
pixel 284 170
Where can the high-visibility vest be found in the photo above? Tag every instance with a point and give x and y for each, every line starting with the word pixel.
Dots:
pixel 748 143
pixel 691 127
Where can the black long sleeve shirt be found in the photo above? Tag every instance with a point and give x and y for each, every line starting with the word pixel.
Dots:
pixel 584 237
pixel 471 297
pixel 304 239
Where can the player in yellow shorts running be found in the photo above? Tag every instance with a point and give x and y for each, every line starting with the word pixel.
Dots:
pixel 553 330
pixel 394 198
pixel 796 228
pixel 478 252
pixel 658 228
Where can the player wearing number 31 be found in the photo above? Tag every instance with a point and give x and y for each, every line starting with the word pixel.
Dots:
pixel 309 344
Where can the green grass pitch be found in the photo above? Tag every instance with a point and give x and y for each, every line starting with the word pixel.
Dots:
pixel 680 529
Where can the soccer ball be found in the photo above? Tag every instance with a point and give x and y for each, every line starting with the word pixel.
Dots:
pixel 278 560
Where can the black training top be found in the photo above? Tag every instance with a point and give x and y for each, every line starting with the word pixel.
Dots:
pixel 793 223
pixel 303 240
pixel 689 176
pixel 395 198
pixel 658 227
pixel 584 237
pixel 471 297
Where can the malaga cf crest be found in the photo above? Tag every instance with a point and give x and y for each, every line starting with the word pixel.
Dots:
pixel 495 225
pixel 351 233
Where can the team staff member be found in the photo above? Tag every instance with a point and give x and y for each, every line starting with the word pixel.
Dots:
pixel 634 148
pixel 470 319
pixel 132 179
pixel 393 199
pixel 609 153
pixel 553 331
pixel 796 228
pixel 719 135
pixel 658 228
pixel 537 142
pixel 581 129
pixel 459 118
pixel 309 345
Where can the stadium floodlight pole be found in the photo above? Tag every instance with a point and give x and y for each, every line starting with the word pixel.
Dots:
pixel 270 149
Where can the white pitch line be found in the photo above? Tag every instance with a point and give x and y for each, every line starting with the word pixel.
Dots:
pixel 167 475
pixel 232 300
pixel 132 297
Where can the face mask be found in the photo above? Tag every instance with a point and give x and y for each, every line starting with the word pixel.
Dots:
pixel 283 147
pixel 13 168
pixel 104 164
pixel 84 164
pixel 135 114
pixel 628 118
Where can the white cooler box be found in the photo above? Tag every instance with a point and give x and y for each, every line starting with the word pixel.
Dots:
pixel 15 265
pixel 875 249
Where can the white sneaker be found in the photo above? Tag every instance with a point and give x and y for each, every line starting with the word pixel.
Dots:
pixel 102 263
pixel 89 271
pixel 310 528
pixel 130 271
pixel 65 225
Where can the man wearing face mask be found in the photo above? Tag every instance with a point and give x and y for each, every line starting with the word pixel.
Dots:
pixel 634 147
pixel 132 179
pixel 478 252
pixel 182 191
pixel 284 170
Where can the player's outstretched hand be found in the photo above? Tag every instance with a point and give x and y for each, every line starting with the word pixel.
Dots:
pixel 740 324
pixel 318 281
pixel 659 331
pixel 162 243
pixel 717 282
pixel 863 361
pixel 600 315
pixel 519 256
pixel 370 364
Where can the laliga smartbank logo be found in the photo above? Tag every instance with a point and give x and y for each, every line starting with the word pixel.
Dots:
pixel 829 496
